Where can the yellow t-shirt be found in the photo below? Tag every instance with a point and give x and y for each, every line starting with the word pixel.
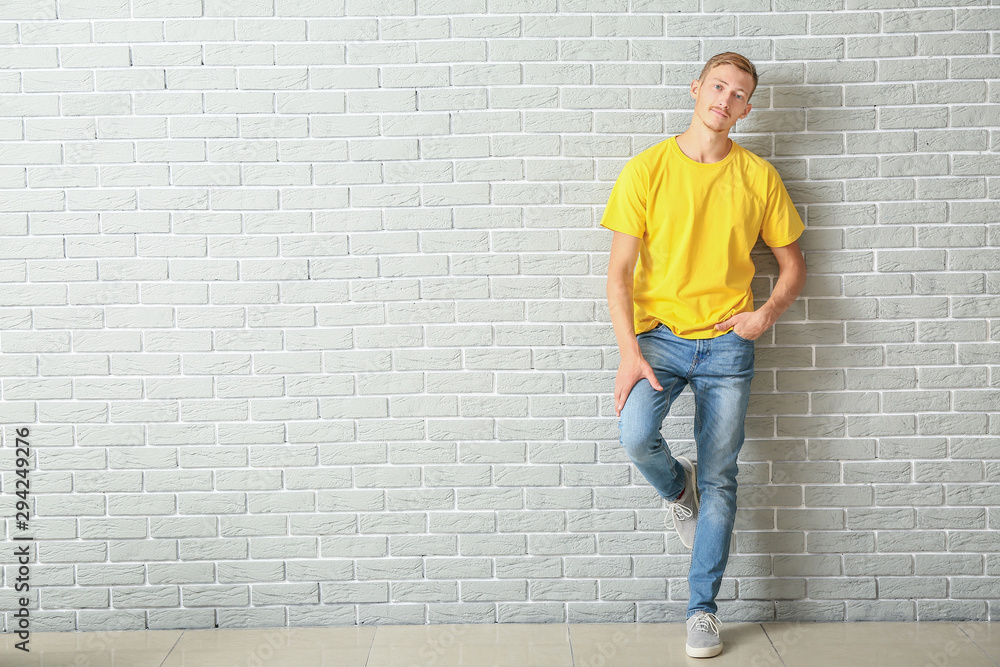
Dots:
pixel 698 223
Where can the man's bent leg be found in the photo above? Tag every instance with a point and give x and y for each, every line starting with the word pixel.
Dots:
pixel 642 417
pixel 722 392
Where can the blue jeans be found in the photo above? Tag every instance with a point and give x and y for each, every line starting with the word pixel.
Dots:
pixel 719 371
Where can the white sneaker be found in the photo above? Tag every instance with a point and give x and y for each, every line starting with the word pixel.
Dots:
pixel 703 635
pixel 685 511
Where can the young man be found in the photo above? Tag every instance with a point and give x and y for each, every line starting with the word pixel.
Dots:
pixel 685 215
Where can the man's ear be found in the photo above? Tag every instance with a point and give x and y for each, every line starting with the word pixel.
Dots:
pixel 694 89
pixel 746 111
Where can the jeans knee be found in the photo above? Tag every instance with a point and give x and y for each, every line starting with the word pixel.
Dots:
pixel 639 441
pixel 719 472
pixel 720 493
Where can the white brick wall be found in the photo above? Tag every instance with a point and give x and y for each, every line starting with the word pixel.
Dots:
pixel 303 302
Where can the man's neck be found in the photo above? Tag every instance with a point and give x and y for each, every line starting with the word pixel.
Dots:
pixel 703 145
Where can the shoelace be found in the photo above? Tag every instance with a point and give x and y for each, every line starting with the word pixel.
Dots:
pixel 706 623
pixel 681 511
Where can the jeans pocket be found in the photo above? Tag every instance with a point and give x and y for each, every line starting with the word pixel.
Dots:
pixel 739 337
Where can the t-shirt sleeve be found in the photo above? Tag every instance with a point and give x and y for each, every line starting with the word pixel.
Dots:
pixel 782 224
pixel 626 208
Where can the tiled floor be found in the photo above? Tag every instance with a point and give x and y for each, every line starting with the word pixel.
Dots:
pixel 578 645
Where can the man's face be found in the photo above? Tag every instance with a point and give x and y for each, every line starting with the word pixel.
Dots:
pixel 723 97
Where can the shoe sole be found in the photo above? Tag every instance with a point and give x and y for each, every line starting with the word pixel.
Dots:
pixel 707 652
pixel 697 507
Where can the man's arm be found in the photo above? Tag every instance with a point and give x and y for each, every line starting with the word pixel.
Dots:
pixel 632 367
pixel 791 279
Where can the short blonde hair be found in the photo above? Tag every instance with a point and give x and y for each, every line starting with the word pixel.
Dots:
pixel 734 59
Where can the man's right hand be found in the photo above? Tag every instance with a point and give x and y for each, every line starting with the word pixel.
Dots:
pixel 621 269
pixel 631 369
